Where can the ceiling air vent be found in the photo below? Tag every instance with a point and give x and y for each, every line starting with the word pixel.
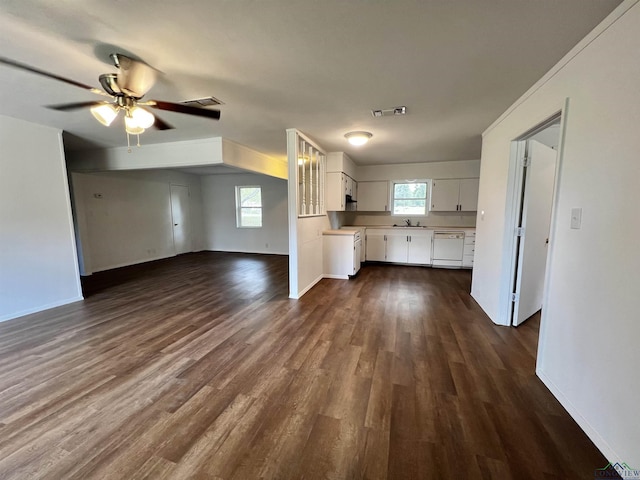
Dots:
pixel 205 102
pixel 389 111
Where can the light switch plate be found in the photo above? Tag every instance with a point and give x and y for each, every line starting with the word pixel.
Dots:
pixel 576 218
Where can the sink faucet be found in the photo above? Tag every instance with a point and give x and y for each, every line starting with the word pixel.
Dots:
pixel 408 222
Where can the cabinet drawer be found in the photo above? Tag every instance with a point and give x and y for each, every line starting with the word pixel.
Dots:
pixel 469 250
pixel 469 238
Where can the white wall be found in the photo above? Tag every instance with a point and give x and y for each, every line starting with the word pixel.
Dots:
pixel 38 266
pixel 589 343
pixel 188 153
pixel 341 162
pixel 219 208
pixel 124 218
pixel 410 171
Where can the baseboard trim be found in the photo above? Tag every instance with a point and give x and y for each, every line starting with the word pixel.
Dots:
pixel 336 277
pixel 306 289
pixel 128 264
pixel 582 422
pixel 41 308
pixel 257 252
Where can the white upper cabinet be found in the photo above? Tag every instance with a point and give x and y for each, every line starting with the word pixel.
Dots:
pixel 352 188
pixel 335 195
pixel 469 194
pixel 339 185
pixel 454 195
pixel 373 196
pixel 445 195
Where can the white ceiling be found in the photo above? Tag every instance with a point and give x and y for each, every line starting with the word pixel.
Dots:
pixel 316 65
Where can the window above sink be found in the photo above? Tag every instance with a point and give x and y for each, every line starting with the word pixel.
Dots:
pixel 409 198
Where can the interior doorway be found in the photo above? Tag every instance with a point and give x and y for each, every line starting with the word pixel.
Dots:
pixel 180 215
pixel 535 166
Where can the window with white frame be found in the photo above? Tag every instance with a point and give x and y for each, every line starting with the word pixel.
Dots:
pixel 249 206
pixel 409 198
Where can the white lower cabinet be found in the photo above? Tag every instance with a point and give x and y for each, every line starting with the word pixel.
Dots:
pixel 420 249
pixel 341 253
pixel 469 248
pixel 375 246
pixel 399 245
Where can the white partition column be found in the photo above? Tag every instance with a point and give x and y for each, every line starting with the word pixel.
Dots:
pixel 307 218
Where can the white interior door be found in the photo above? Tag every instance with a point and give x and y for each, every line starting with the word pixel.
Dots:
pixel 536 219
pixel 181 218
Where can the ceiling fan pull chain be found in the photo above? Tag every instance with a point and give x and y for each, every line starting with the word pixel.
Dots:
pixel 138 139
pixel 128 144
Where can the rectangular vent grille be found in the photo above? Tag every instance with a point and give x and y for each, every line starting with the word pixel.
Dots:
pixel 387 112
pixel 204 102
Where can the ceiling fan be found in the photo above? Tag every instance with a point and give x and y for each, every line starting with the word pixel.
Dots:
pixel 126 90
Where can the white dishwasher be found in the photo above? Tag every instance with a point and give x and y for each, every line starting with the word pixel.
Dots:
pixel 448 248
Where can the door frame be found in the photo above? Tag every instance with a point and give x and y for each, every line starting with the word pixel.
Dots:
pixel 515 191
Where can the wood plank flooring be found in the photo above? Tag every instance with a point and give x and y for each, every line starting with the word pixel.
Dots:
pixel 200 367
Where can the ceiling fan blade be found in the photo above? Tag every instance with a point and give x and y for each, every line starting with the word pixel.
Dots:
pixel 65 107
pixel 177 107
pixel 28 68
pixel 160 124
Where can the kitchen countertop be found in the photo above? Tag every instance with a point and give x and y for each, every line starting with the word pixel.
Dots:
pixel 426 227
pixel 340 232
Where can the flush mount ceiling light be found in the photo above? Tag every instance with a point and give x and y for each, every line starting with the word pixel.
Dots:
pixel 358 138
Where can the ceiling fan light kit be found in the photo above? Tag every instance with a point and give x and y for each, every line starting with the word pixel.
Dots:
pixel 131 126
pixel 105 113
pixel 141 117
pixel 134 80
pixel 358 138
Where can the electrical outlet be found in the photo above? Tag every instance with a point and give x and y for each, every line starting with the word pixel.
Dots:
pixel 576 218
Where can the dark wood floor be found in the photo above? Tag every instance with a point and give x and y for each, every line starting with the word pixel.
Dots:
pixel 200 367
